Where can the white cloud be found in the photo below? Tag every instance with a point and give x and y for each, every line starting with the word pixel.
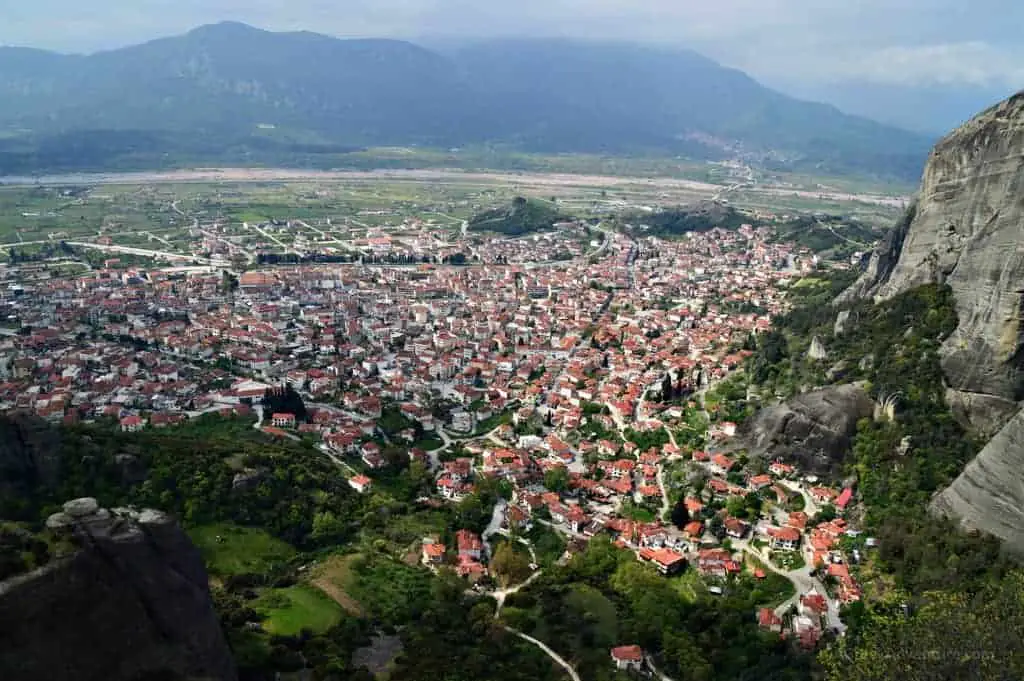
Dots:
pixel 966 63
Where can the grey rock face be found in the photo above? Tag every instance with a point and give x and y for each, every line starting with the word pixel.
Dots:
pixel 132 602
pixel 989 494
pixel 840 326
pixel 814 429
pixel 968 231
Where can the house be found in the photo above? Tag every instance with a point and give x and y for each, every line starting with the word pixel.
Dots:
pixel 283 420
pixel 759 482
pixel 470 545
pixel 780 469
pixel 360 483
pixel 807 631
pixel 433 552
pixel 845 497
pixel 451 489
pixel 693 529
pixel 736 528
pixel 812 604
pixel 628 657
pixel 371 455
pixel 716 563
pixel 666 560
pixel 576 519
pixel 516 518
pixel 797 520
pixel 784 538
pixel 470 569
pixel 767 619
pixel 132 424
pixel 721 464
pixel 823 495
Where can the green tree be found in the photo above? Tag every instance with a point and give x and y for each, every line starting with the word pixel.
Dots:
pixel 556 479
pixel 511 566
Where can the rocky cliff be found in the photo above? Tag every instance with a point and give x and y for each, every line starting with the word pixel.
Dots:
pixel 814 429
pixel 130 602
pixel 988 495
pixel 967 230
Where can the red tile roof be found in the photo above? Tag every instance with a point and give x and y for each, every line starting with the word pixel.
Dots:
pixel 628 653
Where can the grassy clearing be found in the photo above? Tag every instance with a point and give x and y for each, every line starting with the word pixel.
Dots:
pixel 289 611
pixel 774 589
pixel 240 550
pixel 334 577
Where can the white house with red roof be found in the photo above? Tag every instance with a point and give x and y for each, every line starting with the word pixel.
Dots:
pixel 132 424
pixel 628 657
pixel 360 483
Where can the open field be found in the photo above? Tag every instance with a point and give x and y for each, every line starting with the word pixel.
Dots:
pixel 334 577
pixel 289 611
pixel 232 216
pixel 233 550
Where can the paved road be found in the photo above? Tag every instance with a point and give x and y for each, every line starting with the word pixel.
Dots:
pixel 550 653
pixel 129 250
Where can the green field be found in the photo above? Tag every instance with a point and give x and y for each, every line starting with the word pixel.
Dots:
pixel 289 611
pixel 241 550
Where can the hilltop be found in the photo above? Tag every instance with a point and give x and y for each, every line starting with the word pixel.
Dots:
pixel 523 216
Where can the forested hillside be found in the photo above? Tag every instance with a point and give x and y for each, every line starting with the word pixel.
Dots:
pixel 898 461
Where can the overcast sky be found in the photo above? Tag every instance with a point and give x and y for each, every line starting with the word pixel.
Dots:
pixel 918 42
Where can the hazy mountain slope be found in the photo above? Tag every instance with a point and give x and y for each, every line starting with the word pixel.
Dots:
pixel 230 82
pixel 668 94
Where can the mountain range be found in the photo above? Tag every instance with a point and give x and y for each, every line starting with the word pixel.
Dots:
pixel 229 91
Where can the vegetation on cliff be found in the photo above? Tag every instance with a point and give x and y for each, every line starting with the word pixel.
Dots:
pixel 924 569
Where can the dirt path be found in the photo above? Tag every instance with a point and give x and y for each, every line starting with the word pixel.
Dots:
pixel 338 596
pixel 550 653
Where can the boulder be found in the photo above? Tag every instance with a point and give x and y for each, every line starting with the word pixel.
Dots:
pixel 817 350
pixel 131 602
pixel 814 430
pixel 247 480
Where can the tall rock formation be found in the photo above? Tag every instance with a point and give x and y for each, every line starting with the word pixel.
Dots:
pixel 131 602
pixel 967 230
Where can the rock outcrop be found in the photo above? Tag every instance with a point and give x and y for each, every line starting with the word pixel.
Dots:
pixel 814 429
pixel 130 602
pixel 29 452
pixel 989 494
pixel 967 230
